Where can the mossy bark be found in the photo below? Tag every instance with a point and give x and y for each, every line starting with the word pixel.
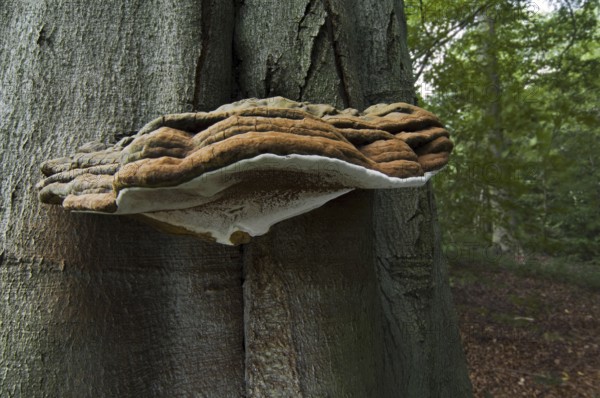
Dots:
pixel 349 300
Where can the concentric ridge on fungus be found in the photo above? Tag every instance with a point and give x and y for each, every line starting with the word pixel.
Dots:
pixel 233 172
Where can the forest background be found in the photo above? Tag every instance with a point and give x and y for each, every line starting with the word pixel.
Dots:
pixel 517 82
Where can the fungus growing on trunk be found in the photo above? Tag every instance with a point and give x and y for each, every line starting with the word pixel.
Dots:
pixel 230 174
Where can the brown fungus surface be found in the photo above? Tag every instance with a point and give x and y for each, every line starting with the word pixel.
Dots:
pixel 332 150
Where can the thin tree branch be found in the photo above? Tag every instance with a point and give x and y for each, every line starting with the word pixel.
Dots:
pixel 444 38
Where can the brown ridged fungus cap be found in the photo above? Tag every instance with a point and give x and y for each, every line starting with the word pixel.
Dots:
pixel 231 173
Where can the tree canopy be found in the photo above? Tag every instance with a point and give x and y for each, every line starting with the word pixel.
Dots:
pixel 518 85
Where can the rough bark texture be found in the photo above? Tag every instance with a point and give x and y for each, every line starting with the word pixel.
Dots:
pixel 424 356
pixel 95 306
pixel 312 312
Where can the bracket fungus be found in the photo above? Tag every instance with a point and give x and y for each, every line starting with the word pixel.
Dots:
pixel 230 174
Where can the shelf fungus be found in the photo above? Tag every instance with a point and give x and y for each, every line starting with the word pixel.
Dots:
pixel 230 174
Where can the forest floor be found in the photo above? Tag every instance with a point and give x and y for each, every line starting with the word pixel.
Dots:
pixel 526 335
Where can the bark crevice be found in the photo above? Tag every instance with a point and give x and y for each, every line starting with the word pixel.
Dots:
pixel 332 27
pixel 315 47
pixel 205 42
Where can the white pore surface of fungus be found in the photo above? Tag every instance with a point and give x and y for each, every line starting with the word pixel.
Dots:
pixel 202 206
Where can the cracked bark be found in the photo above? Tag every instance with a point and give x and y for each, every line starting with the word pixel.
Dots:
pixel 349 300
pixel 213 83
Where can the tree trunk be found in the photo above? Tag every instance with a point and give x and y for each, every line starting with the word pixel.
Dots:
pixel 502 220
pixel 349 300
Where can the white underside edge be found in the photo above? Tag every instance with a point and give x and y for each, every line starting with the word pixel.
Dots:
pixel 202 206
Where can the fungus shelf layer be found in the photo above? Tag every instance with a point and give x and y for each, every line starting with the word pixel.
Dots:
pixel 230 174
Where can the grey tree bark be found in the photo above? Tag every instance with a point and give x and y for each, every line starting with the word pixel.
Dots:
pixel 351 300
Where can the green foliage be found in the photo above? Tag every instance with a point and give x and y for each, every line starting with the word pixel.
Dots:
pixel 518 88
